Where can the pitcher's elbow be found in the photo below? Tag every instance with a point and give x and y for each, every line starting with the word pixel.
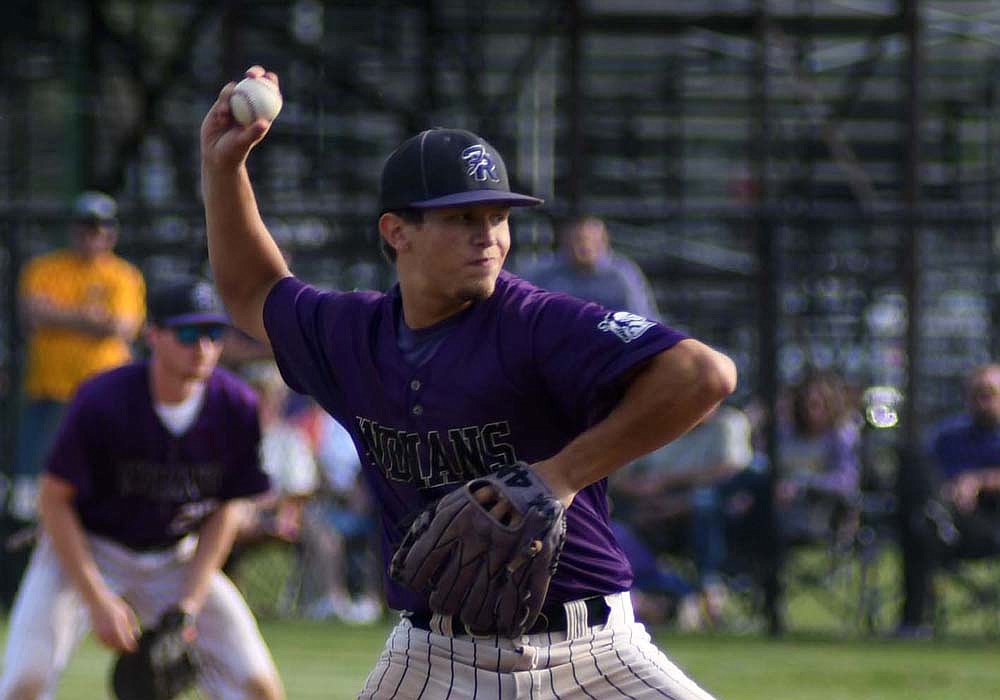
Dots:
pixel 730 376
pixel 719 376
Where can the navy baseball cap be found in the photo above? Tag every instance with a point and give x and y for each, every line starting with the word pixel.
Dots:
pixel 182 301
pixel 93 207
pixel 446 168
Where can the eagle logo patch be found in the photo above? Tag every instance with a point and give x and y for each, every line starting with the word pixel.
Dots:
pixel 626 326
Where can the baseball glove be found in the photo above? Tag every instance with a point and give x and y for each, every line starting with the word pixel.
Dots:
pixel 163 667
pixel 492 572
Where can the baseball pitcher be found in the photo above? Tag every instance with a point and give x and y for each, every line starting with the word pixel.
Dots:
pixel 488 413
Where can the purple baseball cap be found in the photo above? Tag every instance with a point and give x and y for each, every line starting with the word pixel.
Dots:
pixel 185 300
pixel 446 168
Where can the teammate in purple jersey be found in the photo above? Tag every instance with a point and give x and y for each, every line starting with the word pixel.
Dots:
pixel 462 368
pixel 143 492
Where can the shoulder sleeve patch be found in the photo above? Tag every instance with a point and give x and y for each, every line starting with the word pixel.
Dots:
pixel 626 326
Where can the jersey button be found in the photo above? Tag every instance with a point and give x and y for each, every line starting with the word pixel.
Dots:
pixel 415 385
pixel 418 410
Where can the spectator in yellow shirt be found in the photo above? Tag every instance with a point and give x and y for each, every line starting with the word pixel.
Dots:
pixel 82 307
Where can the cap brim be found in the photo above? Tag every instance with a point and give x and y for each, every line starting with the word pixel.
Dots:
pixel 459 199
pixel 195 319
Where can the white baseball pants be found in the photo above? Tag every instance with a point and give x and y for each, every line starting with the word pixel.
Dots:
pixel 614 660
pixel 49 619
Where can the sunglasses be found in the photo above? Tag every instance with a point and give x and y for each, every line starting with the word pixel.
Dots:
pixel 191 334
pixel 95 225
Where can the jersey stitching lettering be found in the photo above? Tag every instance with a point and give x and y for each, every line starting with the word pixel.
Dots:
pixel 474 451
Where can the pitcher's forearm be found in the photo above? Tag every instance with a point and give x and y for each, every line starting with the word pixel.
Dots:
pixel 676 389
pixel 246 262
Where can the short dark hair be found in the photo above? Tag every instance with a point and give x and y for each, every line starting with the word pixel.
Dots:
pixel 410 216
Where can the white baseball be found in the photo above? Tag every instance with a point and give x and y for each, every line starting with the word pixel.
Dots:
pixel 253 99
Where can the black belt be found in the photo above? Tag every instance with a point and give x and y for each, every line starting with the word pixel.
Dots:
pixel 551 619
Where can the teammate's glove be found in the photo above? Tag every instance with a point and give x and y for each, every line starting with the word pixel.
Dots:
pixel 493 573
pixel 163 667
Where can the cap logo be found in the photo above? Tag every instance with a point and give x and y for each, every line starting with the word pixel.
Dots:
pixel 480 165
pixel 203 297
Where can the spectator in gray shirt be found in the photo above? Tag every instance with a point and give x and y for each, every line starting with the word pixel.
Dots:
pixel 684 489
pixel 587 268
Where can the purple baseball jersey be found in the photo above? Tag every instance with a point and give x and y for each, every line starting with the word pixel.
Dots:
pixel 517 377
pixel 137 483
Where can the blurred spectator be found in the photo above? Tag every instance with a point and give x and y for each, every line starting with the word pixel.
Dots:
pixel 344 571
pixel 816 485
pixel 959 517
pixel 286 457
pixel 83 306
pixel 679 496
pixel 818 470
pixel 587 268
pixel 656 589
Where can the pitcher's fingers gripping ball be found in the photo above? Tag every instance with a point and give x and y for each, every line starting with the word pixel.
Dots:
pixel 255 98
pixel 486 551
pixel 163 667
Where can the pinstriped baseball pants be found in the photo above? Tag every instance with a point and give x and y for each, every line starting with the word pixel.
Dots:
pixel 603 662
